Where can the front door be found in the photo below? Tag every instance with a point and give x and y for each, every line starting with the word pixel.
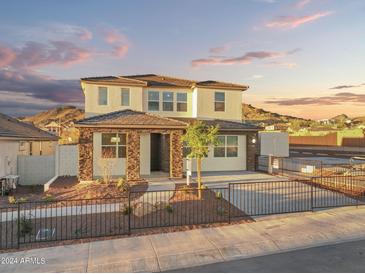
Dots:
pixel 155 151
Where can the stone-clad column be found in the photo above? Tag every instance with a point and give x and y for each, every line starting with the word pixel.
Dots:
pixel 133 156
pixel 251 151
pixel 86 154
pixel 176 154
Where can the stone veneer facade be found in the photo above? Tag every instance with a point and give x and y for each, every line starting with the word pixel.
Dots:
pixel 133 151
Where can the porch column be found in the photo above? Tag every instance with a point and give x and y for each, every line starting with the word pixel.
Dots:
pixel 176 154
pixel 86 154
pixel 251 151
pixel 133 156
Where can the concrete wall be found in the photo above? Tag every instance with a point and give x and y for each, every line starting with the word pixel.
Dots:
pixel 274 143
pixel 67 160
pixel 212 163
pixel 35 170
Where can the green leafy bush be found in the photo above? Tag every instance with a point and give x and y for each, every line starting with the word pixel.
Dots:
pixel 122 185
pixel 169 208
pixel 127 210
pixel 25 225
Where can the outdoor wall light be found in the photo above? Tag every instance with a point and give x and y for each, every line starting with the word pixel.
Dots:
pixel 253 140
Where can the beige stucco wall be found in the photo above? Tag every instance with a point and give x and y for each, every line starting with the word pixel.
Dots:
pixel 118 164
pixel 92 107
pixel 205 105
pixel 42 148
pixel 211 163
pixel 145 159
pixel 200 102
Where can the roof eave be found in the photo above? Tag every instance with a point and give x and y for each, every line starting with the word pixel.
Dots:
pixel 129 126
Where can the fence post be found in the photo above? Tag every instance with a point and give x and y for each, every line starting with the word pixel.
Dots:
pixel 312 195
pixel 18 224
pixel 129 212
pixel 229 203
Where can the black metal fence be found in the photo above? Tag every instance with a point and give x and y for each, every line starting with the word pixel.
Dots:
pixel 38 222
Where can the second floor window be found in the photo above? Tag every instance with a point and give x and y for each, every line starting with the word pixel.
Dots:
pixel 113 145
pixel 103 96
pixel 182 102
pixel 125 97
pixel 153 101
pixel 219 101
pixel 168 101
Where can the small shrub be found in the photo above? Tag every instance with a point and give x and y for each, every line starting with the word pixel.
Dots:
pixel 220 211
pixel 11 200
pixel 26 226
pixel 49 198
pixel 169 208
pixel 22 200
pixel 203 187
pixel 127 210
pixel 218 195
pixel 122 185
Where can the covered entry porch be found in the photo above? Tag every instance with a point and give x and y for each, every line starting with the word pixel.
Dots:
pixel 133 143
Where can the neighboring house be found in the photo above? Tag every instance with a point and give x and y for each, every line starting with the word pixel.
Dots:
pixel 137 122
pixel 19 138
pixel 54 128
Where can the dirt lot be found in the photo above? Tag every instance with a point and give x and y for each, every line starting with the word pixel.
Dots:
pixel 69 188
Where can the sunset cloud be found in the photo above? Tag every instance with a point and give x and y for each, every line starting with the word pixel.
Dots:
pixel 247 58
pixel 289 65
pixel 118 40
pixel 7 56
pixel 302 3
pixel 338 98
pixel 290 22
pixel 347 86
pixel 219 50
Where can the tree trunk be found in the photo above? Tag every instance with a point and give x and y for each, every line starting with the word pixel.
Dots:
pixel 198 171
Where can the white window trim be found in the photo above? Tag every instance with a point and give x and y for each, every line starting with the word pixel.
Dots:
pixel 129 97
pixel 185 102
pixel 107 96
pixel 116 146
pixel 225 99
pixel 225 146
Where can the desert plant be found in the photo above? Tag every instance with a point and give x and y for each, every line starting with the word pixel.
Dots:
pixel 123 185
pixel 49 198
pixel 127 210
pixel 22 200
pixel 11 200
pixel 106 165
pixel 198 138
pixel 218 195
pixel 25 226
pixel 169 208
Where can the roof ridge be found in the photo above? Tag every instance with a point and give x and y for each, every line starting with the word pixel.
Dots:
pixel 123 77
pixel 230 83
pixel 160 75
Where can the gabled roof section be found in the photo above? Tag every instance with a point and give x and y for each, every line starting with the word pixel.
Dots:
pixel 155 80
pixel 130 119
pixel 11 128
pixel 114 80
pixel 224 125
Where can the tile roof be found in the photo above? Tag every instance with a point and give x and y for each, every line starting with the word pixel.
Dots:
pixel 130 119
pixel 13 128
pixel 224 125
pixel 154 80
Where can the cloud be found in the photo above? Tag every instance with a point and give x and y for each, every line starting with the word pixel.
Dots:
pixel 247 58
pixel 34 54
pixel 289 65
pixel 65 31
pixel 118 40
pixel 257 76
pixel 290 22
pixel 219 50
pixel 302 3
pixel 338 98
pixel 347 86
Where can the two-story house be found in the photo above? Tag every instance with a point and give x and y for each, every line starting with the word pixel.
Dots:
pixel 137 122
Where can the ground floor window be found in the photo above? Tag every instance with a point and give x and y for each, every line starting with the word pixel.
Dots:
pixel 227 147
pixel 113 145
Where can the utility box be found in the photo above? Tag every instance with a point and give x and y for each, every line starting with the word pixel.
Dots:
pixel 274 143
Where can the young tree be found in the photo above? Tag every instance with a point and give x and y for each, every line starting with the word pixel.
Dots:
pixel 198 138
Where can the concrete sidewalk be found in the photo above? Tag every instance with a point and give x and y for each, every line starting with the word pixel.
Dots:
pixel 163 252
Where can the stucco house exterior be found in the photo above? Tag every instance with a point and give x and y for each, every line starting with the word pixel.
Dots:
pixel 137 122
pixel 19 138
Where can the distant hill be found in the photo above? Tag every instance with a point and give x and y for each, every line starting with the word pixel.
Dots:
pixel 64 115
pixel 251 113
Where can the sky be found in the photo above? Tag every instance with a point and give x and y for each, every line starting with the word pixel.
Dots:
pixel 303 58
